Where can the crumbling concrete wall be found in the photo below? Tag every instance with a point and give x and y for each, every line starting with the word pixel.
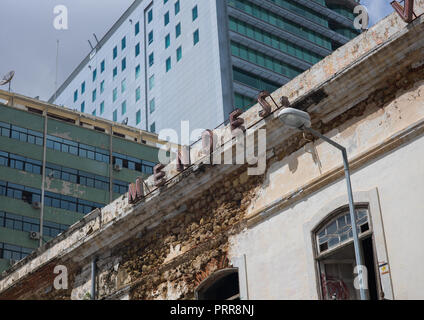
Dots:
pixel 170 260
pixel 167 262
pixel 386 144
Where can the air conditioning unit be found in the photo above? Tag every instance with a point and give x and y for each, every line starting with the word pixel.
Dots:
pixel 51 174
pixel 34 235
pixel 36 205
pixel 117 167
pixel 125 121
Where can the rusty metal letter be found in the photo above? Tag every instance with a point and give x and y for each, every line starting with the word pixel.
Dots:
pixel 159 175
pixel 183 160
pixel 207 142
pixel 236 122
pixel 266 107
pixel 135 191
pixel 407 12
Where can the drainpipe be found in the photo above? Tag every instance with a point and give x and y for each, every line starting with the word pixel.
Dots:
pixel 110 165
pixel 93 278
pixel 43 180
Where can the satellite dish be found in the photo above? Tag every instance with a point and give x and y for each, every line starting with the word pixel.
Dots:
pixel 7 79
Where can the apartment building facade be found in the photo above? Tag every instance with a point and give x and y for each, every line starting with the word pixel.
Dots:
pixel 79 163
pixel 166 61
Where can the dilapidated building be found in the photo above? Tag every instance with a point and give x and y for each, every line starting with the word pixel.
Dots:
pixel 214 231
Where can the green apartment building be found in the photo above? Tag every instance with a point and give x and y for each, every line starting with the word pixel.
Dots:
pixel 86 162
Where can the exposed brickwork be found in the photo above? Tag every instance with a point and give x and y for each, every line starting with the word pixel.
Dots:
pixel 200 235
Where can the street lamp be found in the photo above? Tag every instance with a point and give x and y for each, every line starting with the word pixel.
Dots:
pixel 301 120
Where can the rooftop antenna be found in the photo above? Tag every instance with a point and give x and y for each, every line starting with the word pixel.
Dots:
pixel 57 67
pixel 90 45
pixel 95 37
pixel 7 79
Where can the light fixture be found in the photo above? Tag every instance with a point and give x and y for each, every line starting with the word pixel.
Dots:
pixel 301 120
pixel 294 118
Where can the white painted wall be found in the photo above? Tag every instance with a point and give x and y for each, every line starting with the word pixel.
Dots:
pixel 279 258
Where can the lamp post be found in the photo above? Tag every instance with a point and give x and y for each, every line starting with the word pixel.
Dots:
pixel 301 120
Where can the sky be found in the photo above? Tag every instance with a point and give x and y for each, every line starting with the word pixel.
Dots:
pixel 28 39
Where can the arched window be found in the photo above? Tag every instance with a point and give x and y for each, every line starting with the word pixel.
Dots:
pixel 335 255
pixel 220 285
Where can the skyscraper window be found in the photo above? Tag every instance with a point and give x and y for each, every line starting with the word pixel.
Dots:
pixel 150 37
pixel 167 41
pixel 123 107
pixel 178 30
pixel 150 16
pixel 179 53
pixel 137 49
pixel 196 37
pixel 138 117
pixel 123 43
pixel 177 7
pixel 115 52
pixel 137 71
pixel 168 64
pixel 166 18
pixel 194 13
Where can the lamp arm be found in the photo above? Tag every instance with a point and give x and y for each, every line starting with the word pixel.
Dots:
pixel 319 135
pixel 356 243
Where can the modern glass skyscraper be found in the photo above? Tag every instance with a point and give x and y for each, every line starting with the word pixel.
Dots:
pixel 165 61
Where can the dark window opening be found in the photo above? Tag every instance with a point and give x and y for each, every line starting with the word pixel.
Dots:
pixel 119 135
pixel 99 129
pixel 222 285
pixel 336 257
pixel 368 252
pixel 33 110
pixel 364 227
pixel 61 118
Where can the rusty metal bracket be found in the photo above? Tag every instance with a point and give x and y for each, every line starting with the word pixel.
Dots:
pixel 406 12
pixel 235 121
pixel 159 175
